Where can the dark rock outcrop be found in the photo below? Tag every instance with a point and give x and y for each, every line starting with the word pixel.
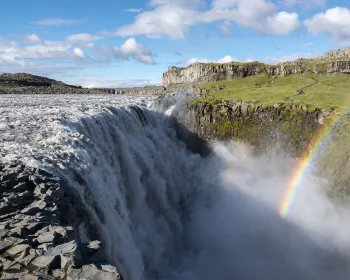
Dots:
pixel 39 229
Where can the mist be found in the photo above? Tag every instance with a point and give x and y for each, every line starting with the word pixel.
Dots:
pixel 240 235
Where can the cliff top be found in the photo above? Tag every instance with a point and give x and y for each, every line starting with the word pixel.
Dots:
pixel 329 92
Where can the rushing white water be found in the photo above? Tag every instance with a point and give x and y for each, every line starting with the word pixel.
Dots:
pixel 166 213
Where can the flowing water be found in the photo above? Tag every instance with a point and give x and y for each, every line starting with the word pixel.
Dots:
pixel 164 212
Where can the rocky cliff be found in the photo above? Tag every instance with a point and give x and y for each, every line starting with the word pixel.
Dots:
pixel 332 63
pixel 337 54
pixel 292 127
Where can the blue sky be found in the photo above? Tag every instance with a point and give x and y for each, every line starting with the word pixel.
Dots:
pixel 131 43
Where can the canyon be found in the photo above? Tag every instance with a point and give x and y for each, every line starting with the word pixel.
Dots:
pixel 157 182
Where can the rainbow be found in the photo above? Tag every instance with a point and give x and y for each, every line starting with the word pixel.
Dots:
pixel 300 170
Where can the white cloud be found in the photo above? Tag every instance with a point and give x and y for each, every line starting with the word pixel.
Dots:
pixel 259 15
pixel 57 21
pixel 79 52
pixel 174 18
pixel 306 45
pixel 334 22
pixel 134 10
pixel 84 37
pixel 32 38
pixel 36 51
pixel 226 28
pixel 303 3
pixel 165 20
pixel 280 59
pixel 43 69
pixel 13 53
pixel 130 49
pixel 225 59
pixel 193 4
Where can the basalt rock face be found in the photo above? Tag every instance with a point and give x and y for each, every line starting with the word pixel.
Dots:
pixel 201 73
pixel 291 127
pixel 333 63
pixel 337 54
pixel 41 229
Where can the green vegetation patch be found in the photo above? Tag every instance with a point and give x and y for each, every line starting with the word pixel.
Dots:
pixel 329 92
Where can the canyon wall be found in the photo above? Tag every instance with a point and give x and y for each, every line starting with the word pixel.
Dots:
pixel 294 130
pixel 201 73
pixel 292 127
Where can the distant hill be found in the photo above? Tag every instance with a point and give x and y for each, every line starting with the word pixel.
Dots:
pixel 24 83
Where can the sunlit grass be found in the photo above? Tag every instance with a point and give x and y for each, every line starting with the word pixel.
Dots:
pixel 331 91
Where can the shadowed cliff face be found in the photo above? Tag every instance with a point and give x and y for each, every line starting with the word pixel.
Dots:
pixel 290 127
pixel 293 130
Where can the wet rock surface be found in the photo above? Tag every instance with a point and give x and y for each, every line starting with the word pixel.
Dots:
pixel 39 236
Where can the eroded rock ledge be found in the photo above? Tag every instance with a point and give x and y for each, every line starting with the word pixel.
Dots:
pixel 39 230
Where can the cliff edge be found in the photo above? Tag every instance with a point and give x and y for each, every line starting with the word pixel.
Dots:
pixel 335 62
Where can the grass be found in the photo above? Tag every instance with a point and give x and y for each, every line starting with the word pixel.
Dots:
pixel 330 92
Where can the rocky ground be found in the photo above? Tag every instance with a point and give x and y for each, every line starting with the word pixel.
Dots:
pixel 39 230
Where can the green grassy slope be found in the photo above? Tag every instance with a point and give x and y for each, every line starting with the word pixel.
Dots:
pixel 321 91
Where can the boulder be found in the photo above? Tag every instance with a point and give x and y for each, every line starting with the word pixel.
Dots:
pixel 91 272
pixel 59 274
pixel 16 240
pixel 47 262
pixel 3 233
pixel 26 260
pixel 4 245
pixel 64 249
pixel 47 237
pixel 16 267
pixel 29 277
pixel 40 189
pixel 14 251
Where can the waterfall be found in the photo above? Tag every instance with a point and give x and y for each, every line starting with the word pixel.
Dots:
pixel 165 211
